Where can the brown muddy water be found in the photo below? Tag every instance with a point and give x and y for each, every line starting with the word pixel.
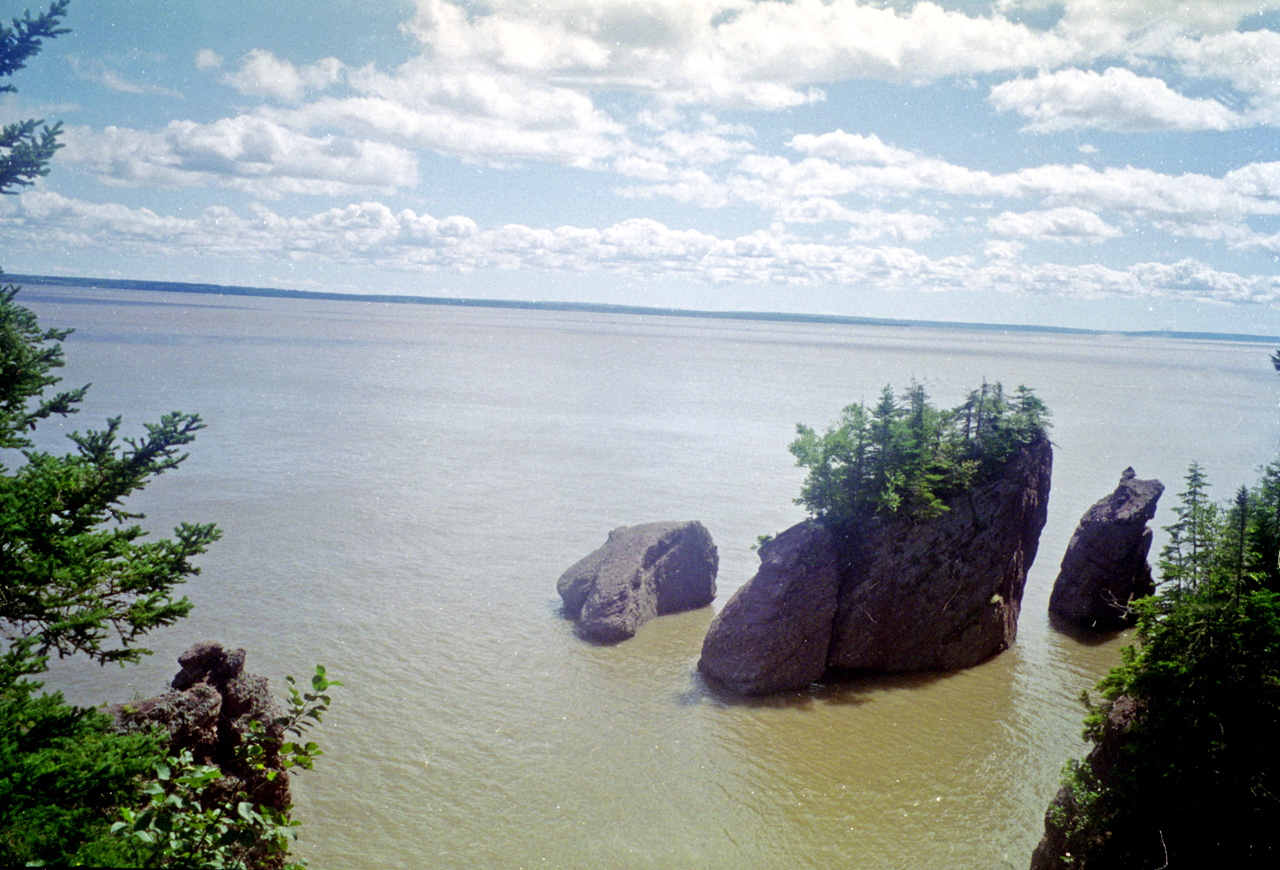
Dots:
pixel 400 486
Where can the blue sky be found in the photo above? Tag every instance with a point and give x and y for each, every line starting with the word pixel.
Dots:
pixel 1111 164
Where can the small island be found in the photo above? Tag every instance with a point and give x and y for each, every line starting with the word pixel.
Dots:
pixel 923 524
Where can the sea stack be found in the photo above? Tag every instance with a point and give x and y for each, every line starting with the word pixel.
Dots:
pixel 1105 568
pixel 638 573
pixel 909 595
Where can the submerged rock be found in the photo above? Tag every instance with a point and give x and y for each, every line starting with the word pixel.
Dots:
pixel 640 572
pixel 909 595
pixel 1105 567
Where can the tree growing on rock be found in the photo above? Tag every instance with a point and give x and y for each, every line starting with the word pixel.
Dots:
pixel 906 457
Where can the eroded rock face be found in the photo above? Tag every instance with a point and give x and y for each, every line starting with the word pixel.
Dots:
pixel 774 633
pixel 939 594
pixel 208 714
pixel 1106 762
pixel 640 572
pixel 945 593
pixel 1105 567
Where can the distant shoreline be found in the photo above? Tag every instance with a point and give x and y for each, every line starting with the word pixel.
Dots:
pixel 606 308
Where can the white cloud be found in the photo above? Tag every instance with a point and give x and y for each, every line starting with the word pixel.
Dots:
pixel 1116 99
pixel 370 233
pixel 868 169
pixel 842 147
pixel 262 74
pixel 207 59
pixel 703 147
pixel 1129 16
pixel 1067 224
pixel 476 116
pixel 864 226
pixel 764 54
pixel 1003 249
pixel 1249 61
pixel 98 71
pixel 244 153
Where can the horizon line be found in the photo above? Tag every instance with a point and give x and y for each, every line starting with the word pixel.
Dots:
pixel 602 308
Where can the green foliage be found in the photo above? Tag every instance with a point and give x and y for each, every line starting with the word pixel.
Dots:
pixel 62 774
pixel 1200 778
pixel 183 825
pixel 1085 822
pixel 76 573
pixel 76 576
pixel 906 457
pixel 27 146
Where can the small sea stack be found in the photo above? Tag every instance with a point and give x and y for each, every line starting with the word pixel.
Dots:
pixel 638 573
pixel 1105 568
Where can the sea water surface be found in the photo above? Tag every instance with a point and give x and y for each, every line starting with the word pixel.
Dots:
pixel 400 486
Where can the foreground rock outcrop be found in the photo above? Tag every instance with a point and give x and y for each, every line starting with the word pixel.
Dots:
pixel 208 712
pixel 939 594
pixel 1105 567
pixel 1066 834
pixel 640 572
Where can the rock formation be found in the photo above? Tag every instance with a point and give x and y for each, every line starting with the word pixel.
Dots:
pixel 207 713
pixel 775 632
pixel 937 594
pixel 1105 762
pixel 640 572
pixel 1105 566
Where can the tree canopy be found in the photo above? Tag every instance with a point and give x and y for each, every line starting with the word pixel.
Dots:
pixel 1198 780
pixel 27 146
pixel 906 457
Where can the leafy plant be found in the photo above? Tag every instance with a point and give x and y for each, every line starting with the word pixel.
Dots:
pixel 184 824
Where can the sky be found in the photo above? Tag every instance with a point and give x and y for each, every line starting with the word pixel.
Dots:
pixel 1106 164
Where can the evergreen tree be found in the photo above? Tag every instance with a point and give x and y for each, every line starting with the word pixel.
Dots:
pixel 27 146
pixel 905 457
pixel 77 577
pixel 1198 780
pixel 1186 558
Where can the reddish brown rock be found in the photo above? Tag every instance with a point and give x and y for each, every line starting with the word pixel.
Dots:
pixel 909 595
pixel 945 593
pixel 209 715
pixel 1105 567
pixel 774 633
pixel 640 572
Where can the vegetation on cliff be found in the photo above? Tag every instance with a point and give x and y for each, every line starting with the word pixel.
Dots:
pixel 906 457
pixel 1197 776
